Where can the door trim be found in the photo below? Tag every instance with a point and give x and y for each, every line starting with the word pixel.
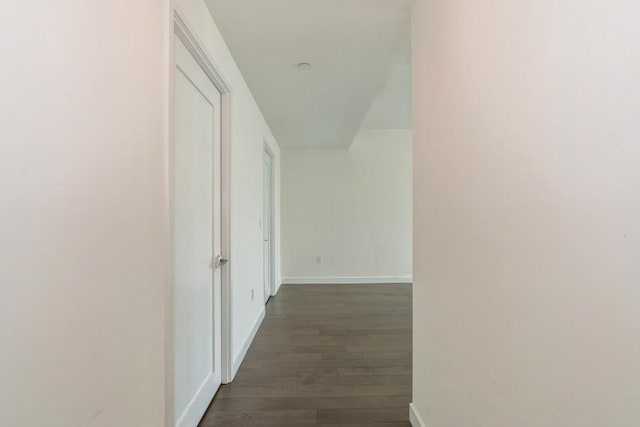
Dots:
pixel 181 29
pixel 272 225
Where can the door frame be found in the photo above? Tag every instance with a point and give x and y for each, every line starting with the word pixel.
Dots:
pixel 182 30
pixel 272 219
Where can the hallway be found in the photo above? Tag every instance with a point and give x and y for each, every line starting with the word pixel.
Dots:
pixel 325 355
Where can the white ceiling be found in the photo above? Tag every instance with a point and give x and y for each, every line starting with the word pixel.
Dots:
pixel 354 47
pixel 391 108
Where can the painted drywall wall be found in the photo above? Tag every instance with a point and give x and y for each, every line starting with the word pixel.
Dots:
pixel 527 207
pixel 82 213
pixel 249 131
pixel 83 209
pixel 350 207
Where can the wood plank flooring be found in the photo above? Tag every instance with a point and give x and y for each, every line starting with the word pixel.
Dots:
pixel 325 355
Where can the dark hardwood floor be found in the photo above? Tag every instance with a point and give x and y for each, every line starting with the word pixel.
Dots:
pixel 326 355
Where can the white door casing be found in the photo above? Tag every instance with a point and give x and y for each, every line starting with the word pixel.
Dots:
pixel 267 229
pixel 196 218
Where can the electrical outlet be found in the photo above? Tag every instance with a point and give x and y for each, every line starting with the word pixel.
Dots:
pixel 318 260
pixel 253 294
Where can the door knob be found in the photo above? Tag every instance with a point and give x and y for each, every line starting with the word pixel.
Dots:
pixel 219 261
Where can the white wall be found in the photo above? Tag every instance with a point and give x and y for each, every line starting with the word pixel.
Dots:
pixel 527 208
pixel 350 207
pixel 82 213
pixel 249 131
pixel 83 209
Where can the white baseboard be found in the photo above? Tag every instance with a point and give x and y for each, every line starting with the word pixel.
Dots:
pixel 198 405
pixel 345 280
pixel 277 287
pixel 237 361
pixel 414 417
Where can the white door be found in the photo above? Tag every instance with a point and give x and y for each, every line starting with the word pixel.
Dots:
pixel 195 184
pixel 267 232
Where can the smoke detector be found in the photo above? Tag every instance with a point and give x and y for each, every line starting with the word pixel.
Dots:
pixel 304 66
